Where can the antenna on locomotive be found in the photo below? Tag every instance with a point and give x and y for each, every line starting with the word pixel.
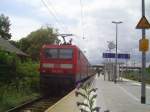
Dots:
pixel 66 35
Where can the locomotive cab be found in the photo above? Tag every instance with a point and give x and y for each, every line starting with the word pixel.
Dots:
pixel 57 68
pixel 61 68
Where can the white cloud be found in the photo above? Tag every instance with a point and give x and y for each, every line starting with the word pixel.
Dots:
pixel 98 29
pixel 21 27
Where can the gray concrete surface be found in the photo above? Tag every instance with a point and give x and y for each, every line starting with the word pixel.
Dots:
pixel 66 104
pixel 121 97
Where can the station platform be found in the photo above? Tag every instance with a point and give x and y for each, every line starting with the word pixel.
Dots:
pixel 124 96
pixel 66 104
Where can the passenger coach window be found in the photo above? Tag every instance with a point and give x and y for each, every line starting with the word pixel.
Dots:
pixel 51 53
pixel 65 53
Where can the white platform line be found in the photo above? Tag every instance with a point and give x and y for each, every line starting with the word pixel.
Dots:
pixel 128 93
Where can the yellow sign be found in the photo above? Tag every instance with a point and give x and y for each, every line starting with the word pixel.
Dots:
pixel 143 45
pixel 143 23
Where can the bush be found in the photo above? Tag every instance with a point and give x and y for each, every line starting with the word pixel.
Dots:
pixel 18 81
pixel 135 75
pixel 10 97
pixel 20 75
pixel 29 75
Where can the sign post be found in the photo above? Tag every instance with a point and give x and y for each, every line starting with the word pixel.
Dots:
pixel 143 45
pixel 143 24
pixel 115 74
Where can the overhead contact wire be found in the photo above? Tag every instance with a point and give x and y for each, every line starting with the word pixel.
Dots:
pixel 52 6
pixel 82 19
pixel 51 13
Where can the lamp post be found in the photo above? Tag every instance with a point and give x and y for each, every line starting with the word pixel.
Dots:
pixel 116 23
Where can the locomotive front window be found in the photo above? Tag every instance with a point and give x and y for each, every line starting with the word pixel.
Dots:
pixel 65 53
pixel 51 53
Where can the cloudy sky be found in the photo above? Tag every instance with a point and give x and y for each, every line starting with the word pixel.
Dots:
pixel 94 20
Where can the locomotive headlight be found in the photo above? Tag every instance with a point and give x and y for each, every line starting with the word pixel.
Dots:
pixel 68 66
pixel 47 65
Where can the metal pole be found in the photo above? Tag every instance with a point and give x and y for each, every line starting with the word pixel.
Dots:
pixel 116 56
pixel 143 90
pixel 115 80
pixel 126 67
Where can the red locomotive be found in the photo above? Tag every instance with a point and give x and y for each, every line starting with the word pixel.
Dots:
pixel 62 67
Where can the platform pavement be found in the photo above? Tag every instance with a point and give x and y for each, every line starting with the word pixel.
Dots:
pixel 121 97
pixel 66 104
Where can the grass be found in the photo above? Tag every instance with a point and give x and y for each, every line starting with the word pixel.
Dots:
pixel 19 80
pixel 137 76
pixel 23 86
pixel 11 97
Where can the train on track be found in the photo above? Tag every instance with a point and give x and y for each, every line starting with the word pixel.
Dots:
pixel 62 67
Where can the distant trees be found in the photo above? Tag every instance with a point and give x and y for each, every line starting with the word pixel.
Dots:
pixel 34 41
pixel 14 43
pixel 5 27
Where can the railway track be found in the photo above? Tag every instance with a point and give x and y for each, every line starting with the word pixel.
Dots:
pixel 40 104
pixel 37 105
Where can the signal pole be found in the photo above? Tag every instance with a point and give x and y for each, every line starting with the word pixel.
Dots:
pixel 143 46
pixel 143 90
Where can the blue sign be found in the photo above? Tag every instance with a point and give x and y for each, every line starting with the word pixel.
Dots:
pixel 108 55
pixel 119 56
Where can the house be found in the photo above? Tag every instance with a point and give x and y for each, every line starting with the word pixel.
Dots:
pixel 7 46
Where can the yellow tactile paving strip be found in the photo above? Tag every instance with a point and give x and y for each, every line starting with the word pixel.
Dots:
pixel 66 104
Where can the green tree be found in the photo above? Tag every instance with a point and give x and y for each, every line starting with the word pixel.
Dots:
pixel 15 43
pixel 34 41
pixel 5 27
pixel 24 44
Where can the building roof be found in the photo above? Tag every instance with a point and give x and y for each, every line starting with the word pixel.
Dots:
pixel 7 46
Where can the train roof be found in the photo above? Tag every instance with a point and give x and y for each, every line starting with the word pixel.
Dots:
pixel 7 46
